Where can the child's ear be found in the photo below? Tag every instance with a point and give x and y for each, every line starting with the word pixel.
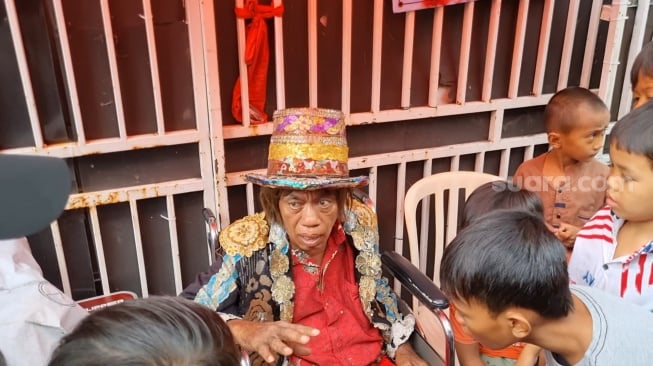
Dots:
pixel 520 324
pixel 554 139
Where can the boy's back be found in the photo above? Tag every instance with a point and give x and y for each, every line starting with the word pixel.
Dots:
pixel 614 338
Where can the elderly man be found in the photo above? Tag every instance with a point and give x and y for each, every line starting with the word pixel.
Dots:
pixel 302 280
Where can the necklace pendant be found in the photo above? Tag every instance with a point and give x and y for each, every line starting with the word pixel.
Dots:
pixel 310 269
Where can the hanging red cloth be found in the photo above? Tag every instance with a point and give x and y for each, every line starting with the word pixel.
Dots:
pixel 257 58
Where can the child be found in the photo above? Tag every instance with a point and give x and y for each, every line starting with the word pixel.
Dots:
pixel 506 275
pixel 641 76
pixel 568 179
pixel 154 331
pixel 488 197
pixel 614 251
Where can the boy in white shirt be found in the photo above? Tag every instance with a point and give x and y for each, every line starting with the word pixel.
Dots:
pixel 614 250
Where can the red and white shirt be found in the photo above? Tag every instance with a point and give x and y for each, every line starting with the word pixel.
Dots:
pixel 593 264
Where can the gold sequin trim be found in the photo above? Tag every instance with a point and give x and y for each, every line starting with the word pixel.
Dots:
pixel 245 236
pixel 303 151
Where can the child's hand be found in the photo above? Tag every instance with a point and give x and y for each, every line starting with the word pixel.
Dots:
pixel 528 355
pixel 566 233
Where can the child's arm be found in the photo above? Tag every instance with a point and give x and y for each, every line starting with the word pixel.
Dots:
pixel 528 355
pixel 469 354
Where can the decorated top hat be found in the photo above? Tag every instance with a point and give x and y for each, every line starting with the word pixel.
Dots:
pixel 308 151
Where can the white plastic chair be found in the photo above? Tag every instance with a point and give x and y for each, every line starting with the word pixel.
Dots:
pixel 436 186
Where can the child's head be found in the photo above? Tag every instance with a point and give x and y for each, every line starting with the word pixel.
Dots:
pixel 502 272
pixel 630 184
pixel 497 195
pixel 575 120
pixel 641 76
pixel 153 331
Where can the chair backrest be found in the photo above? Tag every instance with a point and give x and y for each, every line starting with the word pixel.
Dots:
pixel 433 188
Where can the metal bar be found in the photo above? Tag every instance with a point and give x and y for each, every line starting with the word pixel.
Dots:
pixel 138 245
pixel 617 13
pixel 242 66
pixel 278 55
pixel 174 242
pixel 518 49
pixel 590 45
pixel 154 66
pixel 199 24
pixel 113 68
pixel 436 41
pixel 74 149
pixel 543 47
pixel 449 151
pixel 636 41
pixel 69 71
pixel 465 45
pixel 347 15
pixel 568 45
pixel 373 183
pixel 504 164
pixel 377 42
pixel 99 250
pixel 23 70
pixel 394 115
pixel 399 215
pixel 455 163
pixel 496 125
pixel 110 196
pixel 249 195
pixel 426 209
pixel 216 145
pixel 61 258
pixel 491 50
pixel 479 161
pixel 312 53
pixel 528 152
pixel 407 69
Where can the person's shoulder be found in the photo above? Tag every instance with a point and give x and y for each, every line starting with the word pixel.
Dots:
pixel 245 235
pixel 598 167
pixel 531 167
pixel 599 226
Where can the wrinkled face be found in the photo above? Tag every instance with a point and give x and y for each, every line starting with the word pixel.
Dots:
pixel 643 90
pixel 585 140
pixel 630 185
pixel 475 318
pixel 308 217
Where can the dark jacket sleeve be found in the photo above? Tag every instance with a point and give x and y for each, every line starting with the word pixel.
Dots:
pixel 201 279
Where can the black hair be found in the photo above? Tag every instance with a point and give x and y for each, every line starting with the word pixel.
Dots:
pixel 508 258
pixel 497 195
pixel 643 63
pixel 634 131
pixel 156 331
pixel 560 113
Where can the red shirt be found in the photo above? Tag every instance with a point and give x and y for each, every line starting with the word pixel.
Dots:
pixel 347 336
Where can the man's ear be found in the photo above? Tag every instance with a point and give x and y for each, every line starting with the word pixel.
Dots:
pixel 554 139
pixel 519 323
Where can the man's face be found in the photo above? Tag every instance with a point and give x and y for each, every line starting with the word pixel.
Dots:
pixel 491 331
pixel 630 185
pixel 585 140
pixel 308 217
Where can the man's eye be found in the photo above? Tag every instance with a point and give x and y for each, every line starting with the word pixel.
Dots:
pixel 293 204
pixel 325 203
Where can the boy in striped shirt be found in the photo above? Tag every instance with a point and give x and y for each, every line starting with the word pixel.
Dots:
pixel 614 250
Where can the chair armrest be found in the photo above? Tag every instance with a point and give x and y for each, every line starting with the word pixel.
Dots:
pixel 415 281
